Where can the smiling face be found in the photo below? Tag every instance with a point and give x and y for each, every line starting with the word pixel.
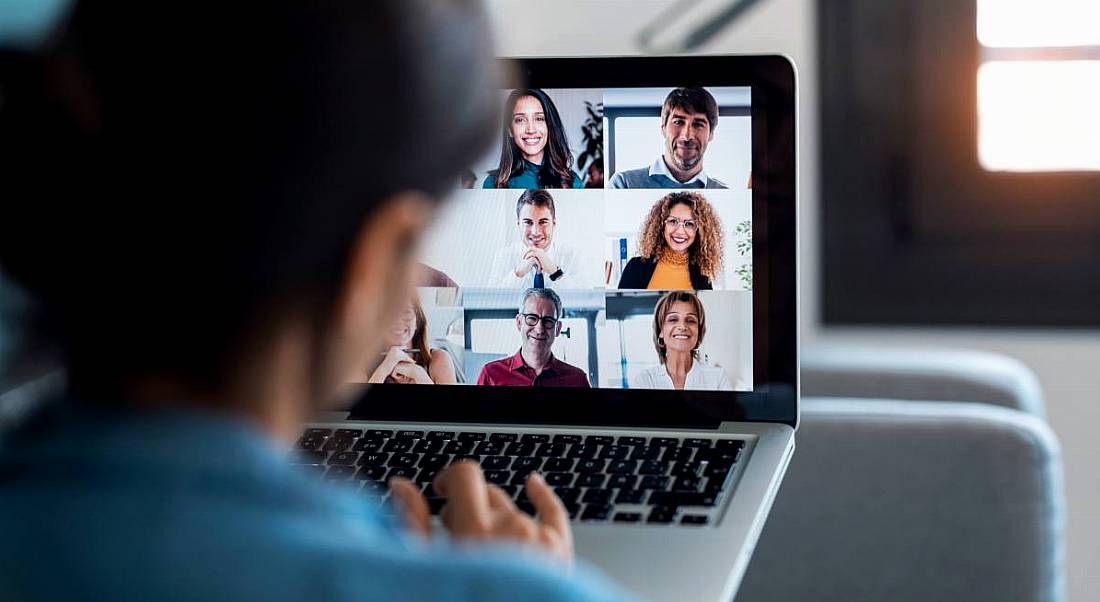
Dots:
pixel 680 329
pixel 528 128
pixel 686 138
pixel 537 339
pixel 401 334
pixel 536 226
pixel 680 228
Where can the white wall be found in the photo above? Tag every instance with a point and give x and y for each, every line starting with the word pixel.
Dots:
pixel 1066 363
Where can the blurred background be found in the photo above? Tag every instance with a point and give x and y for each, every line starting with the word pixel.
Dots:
pixel 948 198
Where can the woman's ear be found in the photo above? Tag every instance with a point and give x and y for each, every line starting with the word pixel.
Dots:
pixel 381 270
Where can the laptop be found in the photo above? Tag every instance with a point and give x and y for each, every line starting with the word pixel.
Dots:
pixel 597 307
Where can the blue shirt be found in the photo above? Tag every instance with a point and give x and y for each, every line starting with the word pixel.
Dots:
pixel 173 505
pixel 528 179
pixel 657 175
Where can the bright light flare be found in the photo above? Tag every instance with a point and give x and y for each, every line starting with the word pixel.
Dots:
pixel 1039 115
pixel 1037 23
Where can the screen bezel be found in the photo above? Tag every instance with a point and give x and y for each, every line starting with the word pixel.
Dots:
pixel 775 297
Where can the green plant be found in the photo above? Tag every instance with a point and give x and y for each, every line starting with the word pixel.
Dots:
pixel 743 243
pixel 592 138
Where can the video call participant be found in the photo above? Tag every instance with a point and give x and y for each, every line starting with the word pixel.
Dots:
pixel 689 117
pixel 680 246
pixel 534 150
pixel 192 367
pixel 534 260
pixel 409 359
pixel 534 365
pixel 679 324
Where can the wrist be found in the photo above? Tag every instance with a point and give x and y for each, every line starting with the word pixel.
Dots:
pixel 558 273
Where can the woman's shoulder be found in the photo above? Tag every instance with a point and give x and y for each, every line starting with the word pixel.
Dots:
pixel 490 180
pixel 577 181
pixel 636 273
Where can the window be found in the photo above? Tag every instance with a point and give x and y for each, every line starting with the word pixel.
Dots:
pixel 1039 85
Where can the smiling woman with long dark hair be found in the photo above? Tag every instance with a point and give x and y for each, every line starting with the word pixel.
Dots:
pixel 534 150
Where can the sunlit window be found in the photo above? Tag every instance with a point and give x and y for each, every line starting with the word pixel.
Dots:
pixel 1039 85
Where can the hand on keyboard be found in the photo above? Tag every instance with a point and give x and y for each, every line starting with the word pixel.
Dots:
pixel 476 510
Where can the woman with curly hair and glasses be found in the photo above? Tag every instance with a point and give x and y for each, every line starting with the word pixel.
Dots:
pixel 680 246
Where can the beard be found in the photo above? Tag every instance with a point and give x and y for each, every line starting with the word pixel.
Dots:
pixel 686 163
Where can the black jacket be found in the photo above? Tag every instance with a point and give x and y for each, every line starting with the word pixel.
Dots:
pixel 639 270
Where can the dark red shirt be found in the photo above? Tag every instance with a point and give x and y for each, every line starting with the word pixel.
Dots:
pixel 512 371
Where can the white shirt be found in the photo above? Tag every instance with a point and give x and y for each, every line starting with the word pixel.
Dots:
pixel 701 377
pixel 660 168
pixel 575 271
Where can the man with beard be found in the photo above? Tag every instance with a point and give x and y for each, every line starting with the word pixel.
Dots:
pixel 534 365
pixel 689 117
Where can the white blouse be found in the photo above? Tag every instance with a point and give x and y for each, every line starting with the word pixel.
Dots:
pixel 701 377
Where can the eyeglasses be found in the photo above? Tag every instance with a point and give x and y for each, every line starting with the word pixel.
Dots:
pixel 674 222
pixel 532 319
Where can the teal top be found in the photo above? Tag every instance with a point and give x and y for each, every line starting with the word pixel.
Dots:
pixel 177 505
pixel 528 179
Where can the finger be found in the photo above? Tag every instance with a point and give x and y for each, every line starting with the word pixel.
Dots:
pixel 413 506
pixel 463 484
pixel 550 509
pixel 499 500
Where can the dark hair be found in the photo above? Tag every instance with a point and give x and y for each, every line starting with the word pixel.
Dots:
pixel 692 100
pixel 557 163
pixel 536 198
pixel 164 198
pixel 661 311
pixel 543 293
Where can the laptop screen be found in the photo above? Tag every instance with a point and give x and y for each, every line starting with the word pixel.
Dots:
pixel 605 241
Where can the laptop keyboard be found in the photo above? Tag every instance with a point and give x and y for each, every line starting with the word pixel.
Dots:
pixel 620 479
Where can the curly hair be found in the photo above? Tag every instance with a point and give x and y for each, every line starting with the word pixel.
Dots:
pixel 706 252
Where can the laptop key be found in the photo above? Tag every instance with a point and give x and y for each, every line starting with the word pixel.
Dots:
pixel 526 506
pixel 379 433
pixel 459 447
pixel 687 484
pixel 661 514
pixel 520 449
pixel 693 442
pixel 729 444
pixel 426 475
pixel 519 478
pixel 654 482
pixel 498 477
pixel 317 432
pixel 399 445
pixel 403 460
pixel 717 471
pixel 409 435
pixel 590 480
pixel 568 494
pixel 434 461
pixel 631 441
pixel 677 454
pixel 373 473
pixel 630 496
pixel 664 442
pixel 622 466
pixel 599 440
pixel 401 471
pixel 651 452
pixel 374 459
pixel 627 517
pixel 309 443
pixel 353 433
pixel 596 512
pixel 489 448
pixel 717 456
pixel 582 450
pixel 551 450
pixel 535 438
pixel 694 519
pixel 335 444
pixel 339 473
pixel 503 437
pixel 613 452
pixel 441 435
pixel 496 462
pixel 591 465
pixel 559 479
pixel 676 498
pixel 597 496
pixel 347 458
pixel 369 445
pixel 526 464
pixel 622 481
pixel 567 439
pixel 429 446
pixel 466 458
pixel 652 467
pixel 686 469
pixel 559 464
pixel 471 437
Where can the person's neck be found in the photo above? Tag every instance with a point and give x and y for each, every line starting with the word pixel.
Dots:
pixel 680 175
pixel 536 362
pixel 678 364
pixel 535 160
